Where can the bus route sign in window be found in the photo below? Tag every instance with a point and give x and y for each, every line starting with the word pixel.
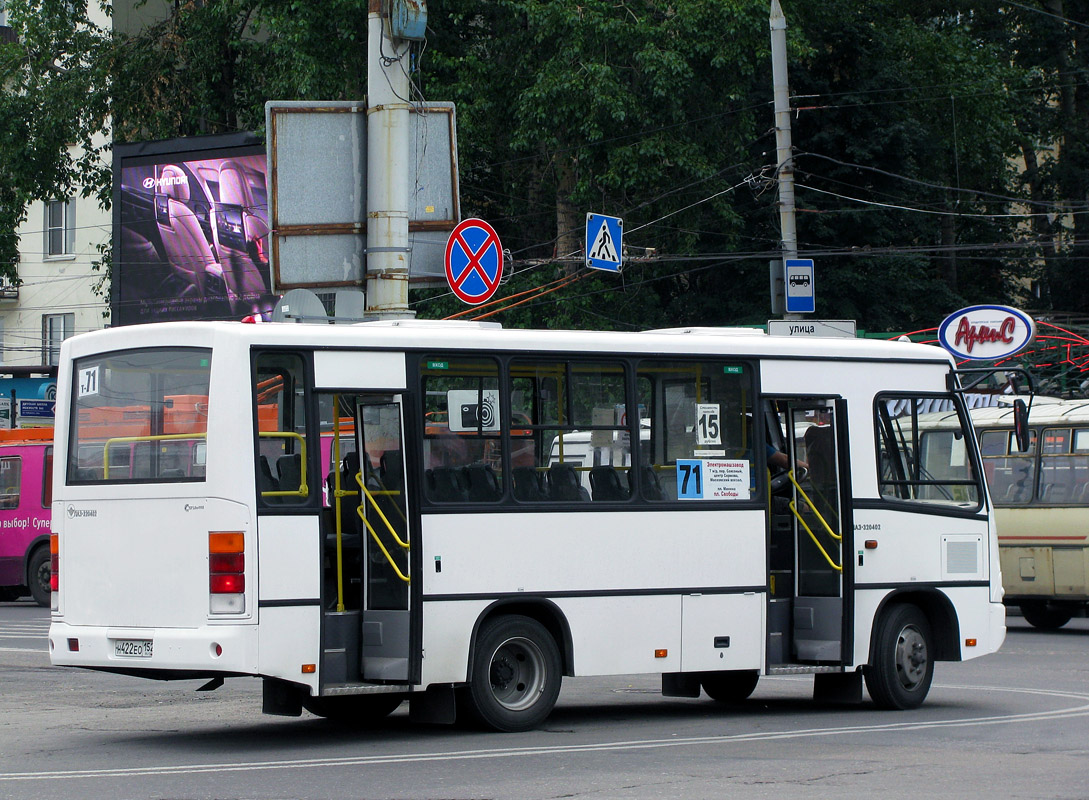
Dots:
pixel 140 416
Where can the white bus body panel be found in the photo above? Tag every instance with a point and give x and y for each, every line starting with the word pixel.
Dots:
pixel 692 551
pixel 920 548
pixel 289 564
pixel 143 562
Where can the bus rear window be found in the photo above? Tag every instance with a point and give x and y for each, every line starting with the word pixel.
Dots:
pixel 139 416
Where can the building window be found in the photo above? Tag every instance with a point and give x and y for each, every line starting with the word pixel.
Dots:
pixel 55 329
pixel 60 227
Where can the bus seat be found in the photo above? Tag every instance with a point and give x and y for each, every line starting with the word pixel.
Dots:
pixel 605 484
pixel 445 485
pixel 265 480
pixel 652 487
pixel 392 476
pixel 563 483
pixel 527 484
pixel 289 468
pixel 483 485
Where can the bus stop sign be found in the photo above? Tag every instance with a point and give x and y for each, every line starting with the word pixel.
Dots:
pixel 798 285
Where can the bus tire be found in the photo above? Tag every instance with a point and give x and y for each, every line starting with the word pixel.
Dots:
pixel 38 573
pixel 356 709
pixel 733 686
pixel 1039 615
pixel 903 667
pixel 516 675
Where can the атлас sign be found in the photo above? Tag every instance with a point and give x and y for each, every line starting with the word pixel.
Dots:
pixel 986 333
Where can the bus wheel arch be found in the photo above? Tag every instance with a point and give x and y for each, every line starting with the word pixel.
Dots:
pixel 515 671
pixel 903 650
pixel 940 615
pixel 543 611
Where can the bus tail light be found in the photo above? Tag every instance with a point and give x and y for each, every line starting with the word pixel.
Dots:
pixel 226 572
pixel 54 570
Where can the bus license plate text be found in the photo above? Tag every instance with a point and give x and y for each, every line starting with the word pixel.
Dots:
pixel 132 648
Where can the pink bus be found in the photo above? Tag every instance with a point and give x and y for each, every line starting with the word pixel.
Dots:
pixel 26 489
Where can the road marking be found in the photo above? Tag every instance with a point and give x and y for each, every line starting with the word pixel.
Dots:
pixel 639 744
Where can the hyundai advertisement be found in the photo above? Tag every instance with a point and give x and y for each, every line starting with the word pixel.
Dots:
pixel 190 230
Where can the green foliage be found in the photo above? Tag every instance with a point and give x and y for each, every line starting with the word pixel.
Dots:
pixel 53 113
pixel 656 112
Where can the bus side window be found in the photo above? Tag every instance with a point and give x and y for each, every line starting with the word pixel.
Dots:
pixel 283 452
pixel 47 478
pixel 11 470
pixel 462 448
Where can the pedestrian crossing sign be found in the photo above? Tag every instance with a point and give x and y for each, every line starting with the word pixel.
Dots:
pixel 604 242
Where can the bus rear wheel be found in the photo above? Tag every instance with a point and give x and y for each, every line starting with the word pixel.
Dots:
pixel 1039 615
pixel 39 572
pixel 731 686
pixel 357 709
pixel 902 668
pixel 516 675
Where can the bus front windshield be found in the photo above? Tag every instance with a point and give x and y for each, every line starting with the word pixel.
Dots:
pixel 139 416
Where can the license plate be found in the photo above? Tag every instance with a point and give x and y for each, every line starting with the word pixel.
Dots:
pixel 132 648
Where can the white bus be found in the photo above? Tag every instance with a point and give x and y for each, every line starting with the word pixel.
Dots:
pixel 450 560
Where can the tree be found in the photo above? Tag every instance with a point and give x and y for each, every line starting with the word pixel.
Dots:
pixel 54 113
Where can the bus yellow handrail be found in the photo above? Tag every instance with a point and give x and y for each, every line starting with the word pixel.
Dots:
pixel 303 490
pixel 370 495
pixel 158 438
pixel 337 495
pixel 813 536
pixel 828 528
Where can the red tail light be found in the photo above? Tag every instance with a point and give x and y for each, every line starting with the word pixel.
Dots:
pixel 228 584
pixel 54 563
pixel 227 572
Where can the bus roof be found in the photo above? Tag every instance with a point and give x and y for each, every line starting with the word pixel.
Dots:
pixel 1044 411
pixel 26 436
pixel 421 335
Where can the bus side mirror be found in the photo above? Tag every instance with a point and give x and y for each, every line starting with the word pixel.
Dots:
pixel 1020 425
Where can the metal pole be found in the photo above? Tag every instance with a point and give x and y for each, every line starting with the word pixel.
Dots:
pixel 387 164
pixel 783 151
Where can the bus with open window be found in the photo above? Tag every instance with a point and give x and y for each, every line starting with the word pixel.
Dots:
pixel 461 515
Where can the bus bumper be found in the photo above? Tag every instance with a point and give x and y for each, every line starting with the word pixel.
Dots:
pixel 995 633
pixel 172 652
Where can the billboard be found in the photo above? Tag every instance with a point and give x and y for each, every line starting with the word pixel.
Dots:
pixel 190 230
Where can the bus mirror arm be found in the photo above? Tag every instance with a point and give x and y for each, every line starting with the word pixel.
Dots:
pixel 956 379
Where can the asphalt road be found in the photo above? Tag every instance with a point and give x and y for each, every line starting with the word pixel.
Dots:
pixel 1011 725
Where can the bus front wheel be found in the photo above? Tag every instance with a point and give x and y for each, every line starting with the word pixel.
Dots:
pixel 39 572
pixel 1039 615
pixel 516 674
pixel 902 668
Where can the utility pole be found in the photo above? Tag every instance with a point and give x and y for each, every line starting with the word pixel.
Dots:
pixel 387 164
pixel 784 155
